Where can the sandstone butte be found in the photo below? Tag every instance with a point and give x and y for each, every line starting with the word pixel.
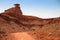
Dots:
pixel 16 26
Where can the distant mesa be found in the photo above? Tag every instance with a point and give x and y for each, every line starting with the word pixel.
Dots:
pixel 17 5
pixel 14 11
pixel 17 13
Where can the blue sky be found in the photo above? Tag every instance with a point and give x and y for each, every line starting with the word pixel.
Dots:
pixel 39 8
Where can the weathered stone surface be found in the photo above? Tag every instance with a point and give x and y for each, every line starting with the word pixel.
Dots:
pixel 16 26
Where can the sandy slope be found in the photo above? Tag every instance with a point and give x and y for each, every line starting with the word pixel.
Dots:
pixel 20 36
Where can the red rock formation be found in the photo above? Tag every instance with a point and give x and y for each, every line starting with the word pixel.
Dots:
pixel 15 25
pixel 14 11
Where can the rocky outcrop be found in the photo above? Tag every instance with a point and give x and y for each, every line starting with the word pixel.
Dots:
pixel 14 11
pixel 12 21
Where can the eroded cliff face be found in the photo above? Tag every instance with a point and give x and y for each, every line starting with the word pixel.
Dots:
pixel 16 26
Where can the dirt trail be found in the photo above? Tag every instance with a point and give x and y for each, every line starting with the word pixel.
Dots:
pixel 20 36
